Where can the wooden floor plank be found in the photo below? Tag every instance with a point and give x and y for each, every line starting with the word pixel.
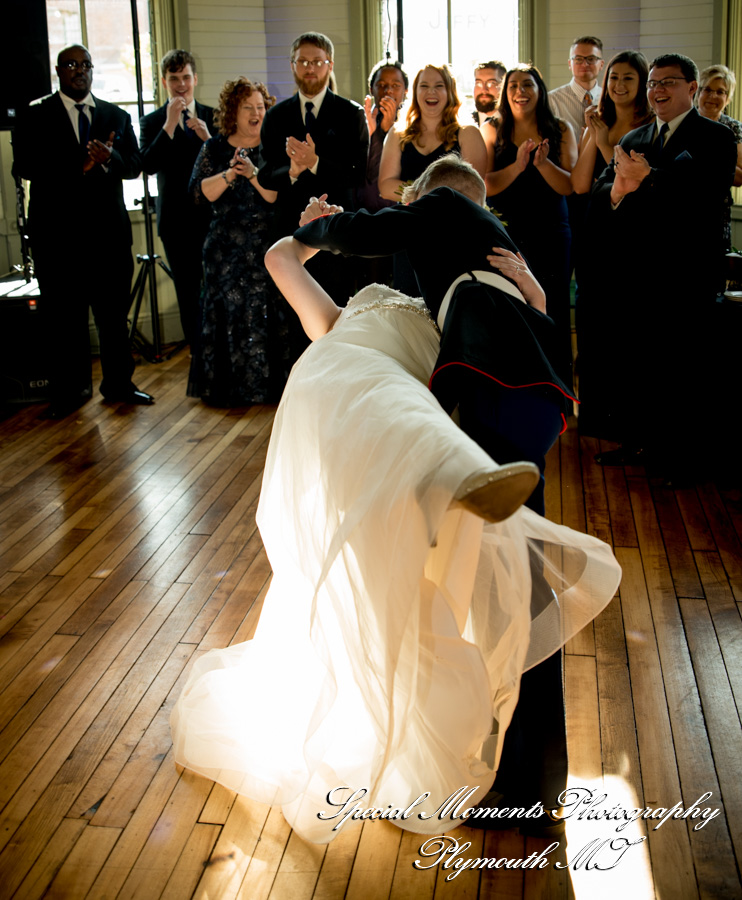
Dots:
pixel 81 867
pixel 189 867
pixel 713 855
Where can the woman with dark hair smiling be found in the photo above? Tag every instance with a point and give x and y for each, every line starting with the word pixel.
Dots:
pixel 623 106
pixel 534 155
pixel 241 352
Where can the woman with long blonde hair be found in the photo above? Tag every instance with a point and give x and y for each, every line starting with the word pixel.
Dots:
pixel 432 130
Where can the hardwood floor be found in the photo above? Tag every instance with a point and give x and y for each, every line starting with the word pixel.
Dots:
pixel 128 548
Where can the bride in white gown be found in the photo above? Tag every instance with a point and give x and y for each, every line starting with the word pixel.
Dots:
pixel 397 626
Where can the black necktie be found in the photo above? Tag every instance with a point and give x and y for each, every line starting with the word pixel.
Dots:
pixel 189 131
pixel 663 136
pixel 83 125
pixel 310 118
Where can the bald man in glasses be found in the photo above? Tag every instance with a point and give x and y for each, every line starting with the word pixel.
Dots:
pixel 76 149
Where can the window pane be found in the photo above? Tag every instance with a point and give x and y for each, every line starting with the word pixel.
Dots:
pixel 63 22
pixel 480 30
pixel 425 34
pixel 110 44
pixel 112 49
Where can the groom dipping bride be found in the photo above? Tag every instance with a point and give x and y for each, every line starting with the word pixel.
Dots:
pixel 494 368
pixel 392 643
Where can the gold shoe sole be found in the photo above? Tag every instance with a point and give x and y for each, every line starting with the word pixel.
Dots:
pixel 496 495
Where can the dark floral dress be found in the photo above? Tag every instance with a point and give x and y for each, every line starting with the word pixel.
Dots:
pixel 241 354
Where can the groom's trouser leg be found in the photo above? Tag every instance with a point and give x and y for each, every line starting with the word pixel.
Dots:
pixel 515 425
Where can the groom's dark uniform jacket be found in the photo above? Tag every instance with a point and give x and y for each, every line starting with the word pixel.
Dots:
pixel 181 224
pixel 80 237
pixel 446 235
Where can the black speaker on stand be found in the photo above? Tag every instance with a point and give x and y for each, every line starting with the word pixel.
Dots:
pixel 23 367
pixel 27 53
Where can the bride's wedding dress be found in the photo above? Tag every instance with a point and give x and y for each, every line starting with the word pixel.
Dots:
pixel 392 640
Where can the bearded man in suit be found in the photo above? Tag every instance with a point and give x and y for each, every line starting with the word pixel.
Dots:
pixel 665 194
pixel 171 138
pixel 314 143
pixel 75 149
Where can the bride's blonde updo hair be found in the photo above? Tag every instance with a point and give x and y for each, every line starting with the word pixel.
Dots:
pixel 448 171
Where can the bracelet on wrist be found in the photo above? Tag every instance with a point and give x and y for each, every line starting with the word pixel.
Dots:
pixel 230 184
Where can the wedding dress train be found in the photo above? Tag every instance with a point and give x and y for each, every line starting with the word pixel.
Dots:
pixel 395 631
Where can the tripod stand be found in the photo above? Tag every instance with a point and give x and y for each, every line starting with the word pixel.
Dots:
pixel 146 277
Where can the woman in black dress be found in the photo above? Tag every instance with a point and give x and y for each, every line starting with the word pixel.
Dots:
pixel 241 355
pixel 534 155
pixel 601 337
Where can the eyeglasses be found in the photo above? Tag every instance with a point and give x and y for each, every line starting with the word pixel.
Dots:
pixel 73 64
pixel 311 63
pixel 665 82
pixel 586 60
pixel 721 92
pixel 490 85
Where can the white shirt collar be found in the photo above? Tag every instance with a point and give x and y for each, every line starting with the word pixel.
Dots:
pixel 316 100
pixel 580 91
pixel 673 123
pixel 69 103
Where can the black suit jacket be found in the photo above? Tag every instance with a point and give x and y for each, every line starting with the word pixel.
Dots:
pixel 172 160
pixel 64 201
pixel 341 139
pixel 680 205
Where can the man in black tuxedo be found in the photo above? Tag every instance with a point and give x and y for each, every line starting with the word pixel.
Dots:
pixel 314 143
pixel 664 194
pixel 75 149
pixel 171 138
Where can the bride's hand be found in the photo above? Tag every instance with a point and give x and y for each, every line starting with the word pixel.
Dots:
pixel 514 267
pixel 318 206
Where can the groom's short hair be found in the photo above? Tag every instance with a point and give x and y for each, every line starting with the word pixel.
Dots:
pixel 448 171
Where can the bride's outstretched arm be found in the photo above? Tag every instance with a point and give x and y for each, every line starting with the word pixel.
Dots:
pixel 314 306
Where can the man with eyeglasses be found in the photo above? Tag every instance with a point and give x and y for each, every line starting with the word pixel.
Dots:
pixel 171 138
pixel 570 101
pixel 75 149
pixel 314 143
pixel 665 193
pixel 488 78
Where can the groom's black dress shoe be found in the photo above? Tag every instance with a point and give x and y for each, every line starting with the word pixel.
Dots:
pixel 141 398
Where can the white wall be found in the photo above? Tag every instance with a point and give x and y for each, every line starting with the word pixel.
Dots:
pixel 652 26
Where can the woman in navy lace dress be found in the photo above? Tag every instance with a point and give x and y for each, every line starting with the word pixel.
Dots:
pixel 241 355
